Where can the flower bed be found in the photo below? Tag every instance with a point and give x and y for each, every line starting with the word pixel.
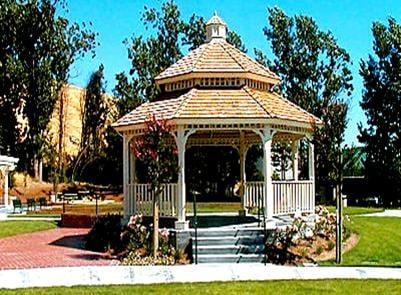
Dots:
pixel 137 242
pixel 307 239
pixel 132 243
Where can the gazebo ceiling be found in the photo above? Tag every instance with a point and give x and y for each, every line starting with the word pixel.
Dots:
pixel 232 138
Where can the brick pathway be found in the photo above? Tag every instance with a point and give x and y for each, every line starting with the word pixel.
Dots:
pixel 55 247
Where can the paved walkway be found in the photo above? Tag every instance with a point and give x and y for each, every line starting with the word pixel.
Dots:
pixel 112 275
pixel 50 248
pixel 385 213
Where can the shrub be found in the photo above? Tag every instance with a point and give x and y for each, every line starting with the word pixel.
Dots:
pixel 105 233
pixel 295 243
pixel 136 240
pixel 331 245
pixel 319 250
pixel 277 248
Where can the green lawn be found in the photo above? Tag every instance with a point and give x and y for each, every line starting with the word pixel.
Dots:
pixel 77 208
pixel 356 210
pixel 12 228
pixel 214 207
pixel 35 215
pixel 274 287
pixel 380 241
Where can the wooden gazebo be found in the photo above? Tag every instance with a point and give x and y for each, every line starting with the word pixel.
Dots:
pixel 218 96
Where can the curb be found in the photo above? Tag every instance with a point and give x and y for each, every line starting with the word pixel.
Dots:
pixel 121 275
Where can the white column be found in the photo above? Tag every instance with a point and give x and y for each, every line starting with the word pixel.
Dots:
pixel 295 155
pixel 311 161
pixel 132 182
pixel 181 136
pixel 311 170
pixel 242 161
pixel 6 201
pixel 267 163
pixel 127 212
pixel 266 135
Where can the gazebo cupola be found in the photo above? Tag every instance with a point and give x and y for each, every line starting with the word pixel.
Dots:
pixel 218 96
pixel 216 29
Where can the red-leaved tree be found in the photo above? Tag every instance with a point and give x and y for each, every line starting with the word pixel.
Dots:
pixel 158 155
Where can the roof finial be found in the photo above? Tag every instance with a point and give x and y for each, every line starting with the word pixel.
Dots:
pixel 215 12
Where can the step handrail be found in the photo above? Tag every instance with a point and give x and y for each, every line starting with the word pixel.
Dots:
pixel 264 226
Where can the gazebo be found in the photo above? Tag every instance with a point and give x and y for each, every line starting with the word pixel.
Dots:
pixel 7 164
pixel 218 96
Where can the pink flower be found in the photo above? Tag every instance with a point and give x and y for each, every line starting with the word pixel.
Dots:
pixel 165 233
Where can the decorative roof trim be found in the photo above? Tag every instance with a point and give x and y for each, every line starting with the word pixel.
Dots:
pixel 217 74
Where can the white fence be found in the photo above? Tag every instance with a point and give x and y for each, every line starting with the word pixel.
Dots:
pixel 288 196
pixel 140 199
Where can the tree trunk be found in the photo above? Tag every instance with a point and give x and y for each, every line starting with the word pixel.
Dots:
pixel 36 168
pixel 156 223
pixel 61 135
pixel 40 168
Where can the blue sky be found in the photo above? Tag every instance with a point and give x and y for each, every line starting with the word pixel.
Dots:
pixel 350 21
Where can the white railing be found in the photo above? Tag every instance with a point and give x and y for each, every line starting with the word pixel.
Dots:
pixel 289 197
pixel 254 194
pixel 140 199
pixel 293 197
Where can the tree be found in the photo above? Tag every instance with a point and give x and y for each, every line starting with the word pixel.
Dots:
pixel 11 73
pixel 157 155
pixel 354 161
pixel 281 158
pixel 314 72
pixel 39 46
pixel 94 116
pixel 381 101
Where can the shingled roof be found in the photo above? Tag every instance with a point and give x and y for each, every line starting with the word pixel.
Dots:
pixel 216 57
pixel 243 103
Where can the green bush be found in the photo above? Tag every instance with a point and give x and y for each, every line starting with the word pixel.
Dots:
pixel 136 240
pixel 105 233
pixel 288 245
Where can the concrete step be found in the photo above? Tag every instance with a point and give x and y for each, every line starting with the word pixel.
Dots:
pixel 231 258
pixel 230 240
pixel 224 249
pixel 229 232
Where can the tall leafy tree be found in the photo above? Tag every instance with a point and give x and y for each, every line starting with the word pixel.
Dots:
pixel 381 101
pixel 94 116
pixel 11 74
pixel 314 72
pixel 40 47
